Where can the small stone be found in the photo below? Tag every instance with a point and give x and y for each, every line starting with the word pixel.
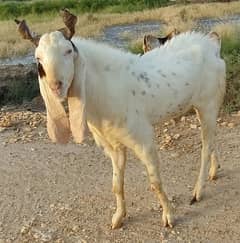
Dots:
pixel 52 205
pixel 183 119
pixel 75 228
pixel 176 136
pixel 165 130
pixel 193 126
pixel 24 230
pixel 168 138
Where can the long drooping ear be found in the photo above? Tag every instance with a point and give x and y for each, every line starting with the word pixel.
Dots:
pixel 77 103
pixel 70 21
pixel 26 33
pixel 57 121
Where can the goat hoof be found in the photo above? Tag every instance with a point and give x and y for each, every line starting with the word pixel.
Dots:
pixel 212 177
pixel 117 220
pixel 116 226
pixel 194 199
pixel 168 220
pixel 212 174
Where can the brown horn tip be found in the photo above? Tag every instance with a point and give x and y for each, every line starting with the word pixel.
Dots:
pixel 70 21
pixel 25 32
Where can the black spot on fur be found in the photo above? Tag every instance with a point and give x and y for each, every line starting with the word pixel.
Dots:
pixel 41 72
pixel 133 73
pixel 143 92
pixel 141 76
pixel 144 76
pixel 133 92
pixel 163 75
pixel 168 84
pixel 186 84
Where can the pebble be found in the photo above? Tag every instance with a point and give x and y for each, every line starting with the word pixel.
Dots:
pixel 24 230
pixel 183 118
pixel 193 126
pixel 176 136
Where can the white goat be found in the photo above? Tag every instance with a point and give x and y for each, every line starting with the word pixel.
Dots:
pixel 119 96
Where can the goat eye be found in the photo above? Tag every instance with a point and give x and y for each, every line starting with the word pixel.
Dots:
pixel 68 52
pixel 41 71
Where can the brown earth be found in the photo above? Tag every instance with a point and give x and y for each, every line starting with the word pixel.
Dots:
pixel 62 193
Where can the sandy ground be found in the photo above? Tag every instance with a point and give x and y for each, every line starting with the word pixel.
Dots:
pixel 56 193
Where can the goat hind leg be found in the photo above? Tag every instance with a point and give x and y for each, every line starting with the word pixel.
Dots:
pixel 149 157
pixel 208 117
pixel 214 166
pixel 214 159
pixel 118 162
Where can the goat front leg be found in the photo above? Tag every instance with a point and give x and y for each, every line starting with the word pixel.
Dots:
pixel 118 158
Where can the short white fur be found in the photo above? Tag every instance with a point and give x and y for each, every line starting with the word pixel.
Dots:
pixel 123 95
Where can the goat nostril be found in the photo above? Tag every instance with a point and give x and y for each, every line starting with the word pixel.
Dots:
pixel 58 84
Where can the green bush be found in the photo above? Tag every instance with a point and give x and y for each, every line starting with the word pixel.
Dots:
pixel 231 54
pixel 136 47
pixel 11 9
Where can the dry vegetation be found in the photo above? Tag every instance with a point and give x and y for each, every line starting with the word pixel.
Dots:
pixel 181 17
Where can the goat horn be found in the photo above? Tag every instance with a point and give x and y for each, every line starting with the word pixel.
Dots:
pixel 26 33
pixel 70 21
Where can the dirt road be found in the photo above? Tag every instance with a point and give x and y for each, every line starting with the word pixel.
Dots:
pixel 54 193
